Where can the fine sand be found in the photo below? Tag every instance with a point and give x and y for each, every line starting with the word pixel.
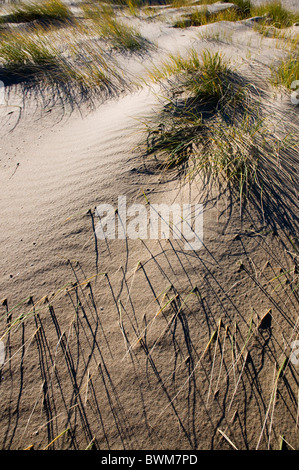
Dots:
pixel 107 343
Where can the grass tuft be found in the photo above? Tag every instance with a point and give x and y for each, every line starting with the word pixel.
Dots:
pixel 244 7
pixel 22 55
pixel 48 11
pixel 287 72
pixel 276 15
pixel 37 59
pixel 203 16
pixel 121 36
pixel 215 126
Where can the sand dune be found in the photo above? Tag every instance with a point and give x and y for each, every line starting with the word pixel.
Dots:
pixel 116 345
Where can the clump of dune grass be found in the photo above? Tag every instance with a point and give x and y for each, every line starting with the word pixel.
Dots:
pixel 22 54
pixel 120 35
pixel 212 124
pixel 208 76
pixel 213 80
pixel 196 18
pixel 76 68
pixel 276 15
pixel 177 3
pixel 244 7
pixel 174 65
pixel 134 6
pixel 47 11
pixel 145 3
pixel 98 12
pixel 204 2
pixel 203 16
pixel 287 72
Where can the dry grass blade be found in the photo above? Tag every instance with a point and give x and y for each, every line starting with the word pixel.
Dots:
pixel 56 438
pixel 279 374
pixel 227 439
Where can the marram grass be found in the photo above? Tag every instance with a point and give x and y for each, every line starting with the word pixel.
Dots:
pixel 212 124
pixel 122 36
pixel 203 16
pixel 287 72
pixel 117 33
pixel 76 67
pixel 47 11
pixel 275 15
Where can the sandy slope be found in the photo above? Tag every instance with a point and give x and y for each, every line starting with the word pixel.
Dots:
pixel 122 360
pixel 63 169
pixel 53 168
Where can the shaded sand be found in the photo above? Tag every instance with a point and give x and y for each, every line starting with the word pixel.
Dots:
pixel 112 343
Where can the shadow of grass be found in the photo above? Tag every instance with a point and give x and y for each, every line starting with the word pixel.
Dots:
pixel 227 134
